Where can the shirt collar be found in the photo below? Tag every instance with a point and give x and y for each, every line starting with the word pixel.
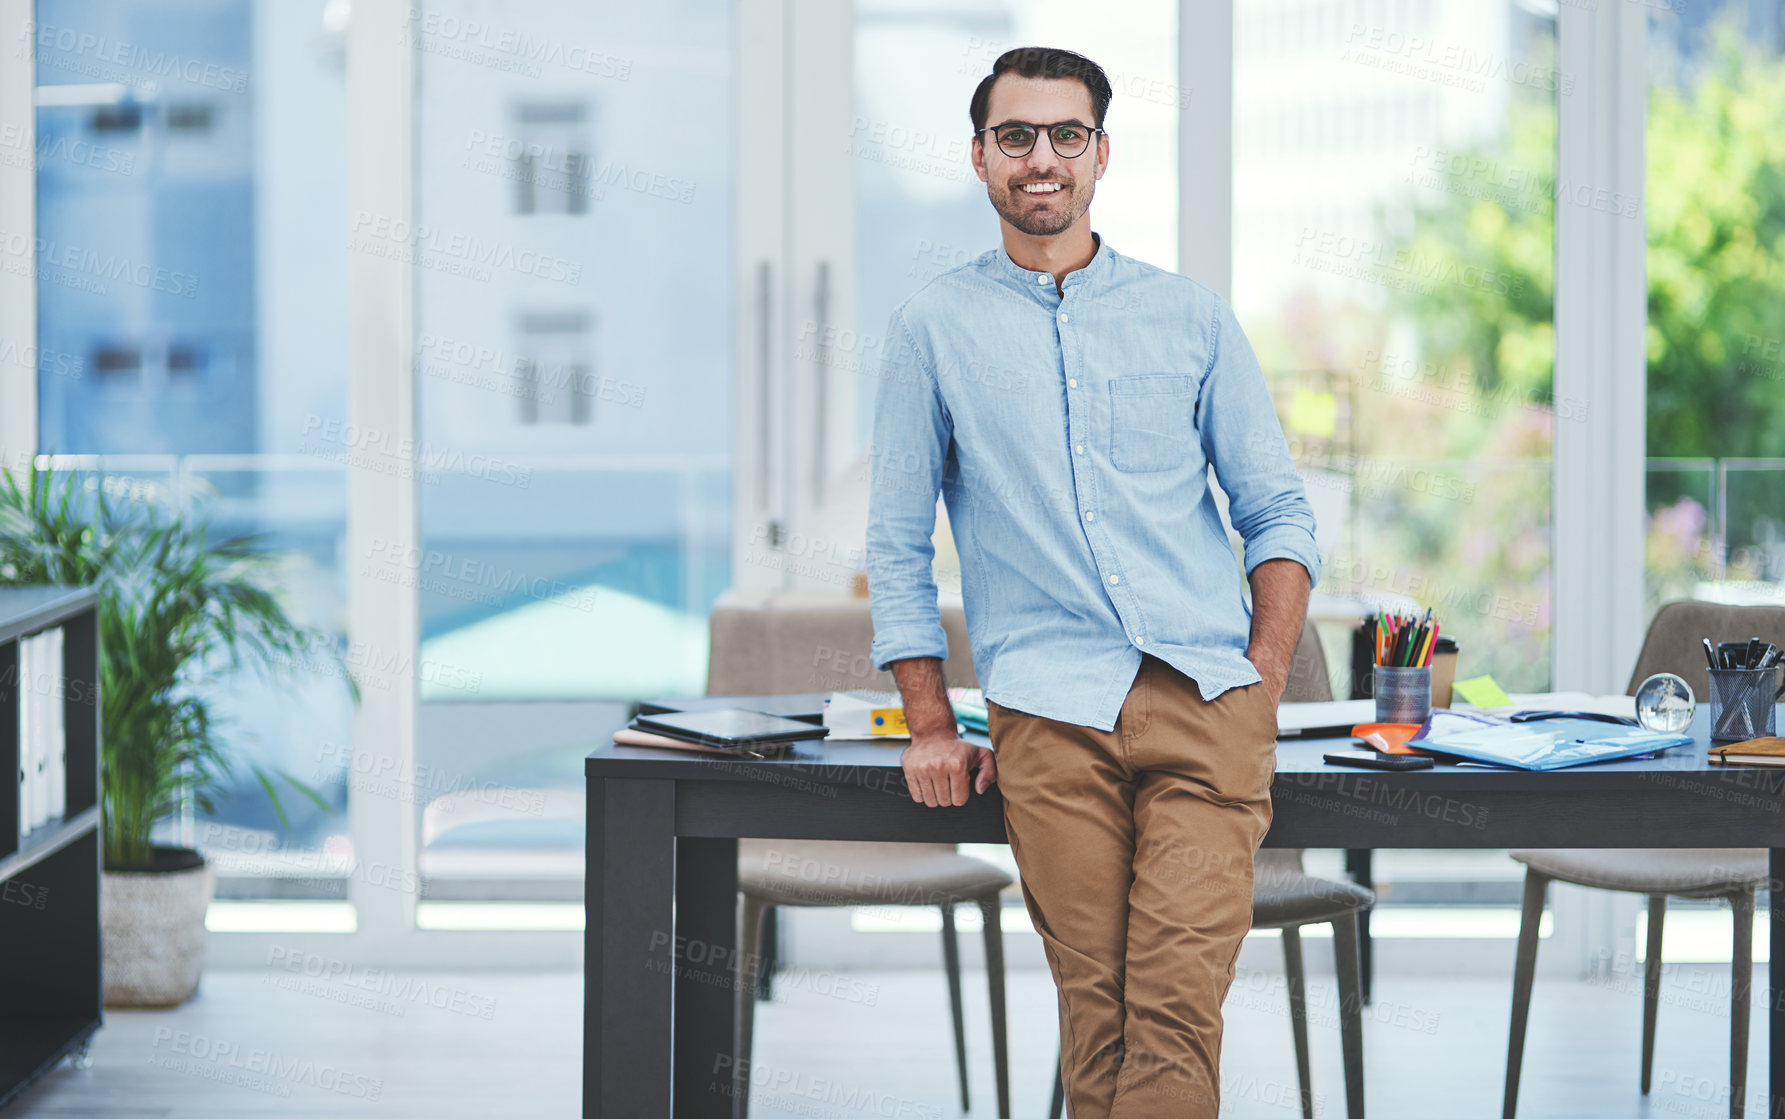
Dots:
pixel 1097 269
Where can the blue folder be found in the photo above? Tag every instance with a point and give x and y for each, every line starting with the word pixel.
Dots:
pixel 1543 743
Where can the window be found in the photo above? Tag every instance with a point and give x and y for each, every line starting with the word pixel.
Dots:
pixel 575 355
pixel 191 246
pixel 1393 267
pixel 1716 348
pixel 556 385
pixel 550 158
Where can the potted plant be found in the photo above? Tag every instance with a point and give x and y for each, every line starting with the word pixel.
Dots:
pixel 177 611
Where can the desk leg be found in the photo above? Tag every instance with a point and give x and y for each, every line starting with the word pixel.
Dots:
pixel 627 957
pixel 706 931
pixel 1775 984
pixel 1358 866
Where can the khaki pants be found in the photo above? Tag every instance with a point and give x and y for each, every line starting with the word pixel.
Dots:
pixel 1135 847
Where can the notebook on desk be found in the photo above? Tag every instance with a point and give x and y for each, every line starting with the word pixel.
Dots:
pixel 729 727
pixel 1548 743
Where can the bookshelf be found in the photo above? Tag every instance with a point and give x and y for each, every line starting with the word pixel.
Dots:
pixel 51 992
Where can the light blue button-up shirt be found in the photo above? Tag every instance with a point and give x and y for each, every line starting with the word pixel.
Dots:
pixel 1070 434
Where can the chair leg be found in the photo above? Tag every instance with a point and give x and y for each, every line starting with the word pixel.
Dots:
pixel 1651 984
pixel 1298 1014
pixel 951 963
pixel 744 1000
pixel 1523 972
pixel 1740 989
pixel 993 910
pixel 1348 962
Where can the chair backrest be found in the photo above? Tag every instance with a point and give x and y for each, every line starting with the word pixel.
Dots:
pixel 795 642
pixel 1309 681
pixel 1675 640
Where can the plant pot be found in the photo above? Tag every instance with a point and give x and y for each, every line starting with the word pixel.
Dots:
pixel 152 925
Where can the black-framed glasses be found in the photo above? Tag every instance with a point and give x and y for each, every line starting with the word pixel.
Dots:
pixel 1017 138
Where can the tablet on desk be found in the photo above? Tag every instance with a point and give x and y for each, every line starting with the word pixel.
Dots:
pixel 730 726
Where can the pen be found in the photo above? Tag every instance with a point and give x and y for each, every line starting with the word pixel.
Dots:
pixel 1710 658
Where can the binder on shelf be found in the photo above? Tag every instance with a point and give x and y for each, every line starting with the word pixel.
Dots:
pixel 56 753
pixel 27 692
pixel 43 772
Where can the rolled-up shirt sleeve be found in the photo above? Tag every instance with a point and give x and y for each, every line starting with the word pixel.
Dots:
pixel 1243 439
pixel 912 433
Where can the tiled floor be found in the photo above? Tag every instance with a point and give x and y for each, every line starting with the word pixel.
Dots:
pixel 867 1044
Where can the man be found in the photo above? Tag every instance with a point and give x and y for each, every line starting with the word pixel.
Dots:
pixel 1067 403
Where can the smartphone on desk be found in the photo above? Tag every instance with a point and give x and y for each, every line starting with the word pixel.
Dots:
pixel 1370 759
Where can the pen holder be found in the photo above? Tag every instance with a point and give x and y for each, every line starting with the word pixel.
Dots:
pixel 1403 695
pixel 1743 703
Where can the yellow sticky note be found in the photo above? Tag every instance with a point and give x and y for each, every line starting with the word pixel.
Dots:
pixel 888 720
pixel 1482 691
pixel 1313 413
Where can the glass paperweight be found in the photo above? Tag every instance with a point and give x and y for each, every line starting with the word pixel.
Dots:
pixel 1665 703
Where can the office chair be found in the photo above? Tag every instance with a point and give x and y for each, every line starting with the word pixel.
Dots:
pixel 790 643
pixel 1284 897
pixel 1672 645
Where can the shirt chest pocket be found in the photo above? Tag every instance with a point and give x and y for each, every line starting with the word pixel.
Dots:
pixel 1152 421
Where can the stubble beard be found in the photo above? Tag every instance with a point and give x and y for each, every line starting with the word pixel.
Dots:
pixel 1047 221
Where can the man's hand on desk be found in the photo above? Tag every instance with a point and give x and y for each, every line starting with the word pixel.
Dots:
pixel 940 768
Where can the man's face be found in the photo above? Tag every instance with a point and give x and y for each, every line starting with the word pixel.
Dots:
pixel 1039 211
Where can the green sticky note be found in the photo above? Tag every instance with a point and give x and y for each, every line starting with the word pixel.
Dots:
pixel 1482 691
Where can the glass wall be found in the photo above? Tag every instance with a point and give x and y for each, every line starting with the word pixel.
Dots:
pixel 1394 175
pixel 1716 350
pixel 1394 187
pixel 192 319
pixel 572 244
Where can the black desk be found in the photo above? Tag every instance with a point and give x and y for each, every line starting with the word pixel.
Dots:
pixel 662 866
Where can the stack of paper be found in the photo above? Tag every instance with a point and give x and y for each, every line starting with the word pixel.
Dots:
pixel 43 772
pixel 865 714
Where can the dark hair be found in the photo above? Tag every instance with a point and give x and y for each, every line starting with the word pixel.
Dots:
pixel 1043 62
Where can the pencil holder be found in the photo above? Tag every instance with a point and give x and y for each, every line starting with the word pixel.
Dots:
pixel 1743 703
pixel 1403 695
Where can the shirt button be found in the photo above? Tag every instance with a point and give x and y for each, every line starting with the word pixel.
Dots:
pixel 1041 279
pixel 1140 641
pixel 1080 449
pixel 1114 579
pixel 1071 383
pixel 1063 317
pixel 1090 516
